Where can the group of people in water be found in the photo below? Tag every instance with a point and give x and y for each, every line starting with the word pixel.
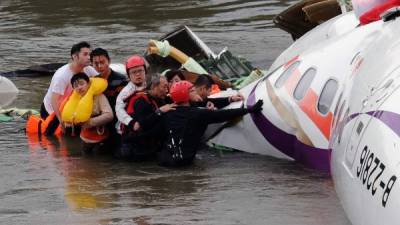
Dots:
pixel 141 117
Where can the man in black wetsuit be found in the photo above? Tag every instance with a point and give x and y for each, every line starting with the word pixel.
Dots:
pixel 202 86
pixel 184 126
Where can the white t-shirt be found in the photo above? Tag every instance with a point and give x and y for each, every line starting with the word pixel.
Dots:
pixel 61 84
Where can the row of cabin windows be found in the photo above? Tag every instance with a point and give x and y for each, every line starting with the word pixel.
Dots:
pixel 326 96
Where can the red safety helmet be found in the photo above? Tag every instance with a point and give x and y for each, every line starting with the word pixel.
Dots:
pixel 134 61
pixel 179 91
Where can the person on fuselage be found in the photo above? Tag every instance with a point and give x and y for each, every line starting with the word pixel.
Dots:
pixel 203 88
pixel 136 70
pixel 116 81
pixel 60 87
pixel 184 126
pixel 141 140
pixel 94 131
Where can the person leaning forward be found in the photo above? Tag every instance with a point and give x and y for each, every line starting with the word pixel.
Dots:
pixel 202 85
pixel 141 138
pixel 60 87
pixel 184 126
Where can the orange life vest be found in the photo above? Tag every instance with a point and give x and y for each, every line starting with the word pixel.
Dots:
pixel 94 134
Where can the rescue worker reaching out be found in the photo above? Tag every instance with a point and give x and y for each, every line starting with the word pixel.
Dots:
pixel 184 127
pixel 202 86
pixel 141 139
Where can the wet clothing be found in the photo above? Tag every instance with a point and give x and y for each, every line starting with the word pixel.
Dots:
pixel 53 124
pixel 61 84
pixel 101 115
pixel 116 82
pixel 219 103
pixel 183 129
pixel 142 144
pixel 121 103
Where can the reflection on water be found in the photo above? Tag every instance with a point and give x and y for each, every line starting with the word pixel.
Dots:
pixel 49 181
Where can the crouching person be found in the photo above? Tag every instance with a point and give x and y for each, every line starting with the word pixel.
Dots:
pixel 141 139
pixel 93 131
pixel 185 126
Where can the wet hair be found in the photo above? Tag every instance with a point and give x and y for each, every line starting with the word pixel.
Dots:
pixel 99 52
pixel 172 73
pixel 79 76
pixel 203 80
pixel 76 48
pixel 155 80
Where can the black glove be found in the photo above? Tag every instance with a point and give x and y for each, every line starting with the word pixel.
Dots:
pixel 256 107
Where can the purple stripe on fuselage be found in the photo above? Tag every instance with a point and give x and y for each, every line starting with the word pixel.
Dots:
pixel 288 144
pixel 391 119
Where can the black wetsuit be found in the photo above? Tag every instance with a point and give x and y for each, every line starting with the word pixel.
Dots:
pixel 188 124
pixel 143 144
pixel 116 82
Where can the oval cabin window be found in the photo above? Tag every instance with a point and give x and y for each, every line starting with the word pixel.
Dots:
pixel 327 96
pixel 304 84
pixel 286 74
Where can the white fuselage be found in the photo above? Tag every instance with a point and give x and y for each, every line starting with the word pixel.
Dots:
pixel 300 94
pixel 365 141
pixel 332 102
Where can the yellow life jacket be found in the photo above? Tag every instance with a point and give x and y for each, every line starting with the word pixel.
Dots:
pixel 78 109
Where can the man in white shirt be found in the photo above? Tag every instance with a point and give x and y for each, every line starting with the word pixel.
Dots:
pixel 60 87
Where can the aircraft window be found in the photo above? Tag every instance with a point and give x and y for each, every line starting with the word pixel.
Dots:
pixel 304 84
pixel 286 74
pixel 327 96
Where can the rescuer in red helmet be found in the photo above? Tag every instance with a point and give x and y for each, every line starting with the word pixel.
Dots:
pixel 184 126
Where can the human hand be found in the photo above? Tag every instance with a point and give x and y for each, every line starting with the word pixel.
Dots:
pixel 257 107
pixel 210 106
pixel 236 98
pixel 194 97
pixel 167 107
pixel 136 126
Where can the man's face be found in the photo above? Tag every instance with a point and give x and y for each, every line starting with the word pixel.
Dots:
pixel 203 91
pixel 101 64
pixel 174 79
pixel 161 90
pixel 82 57
pixel 193 95
pixel 137 75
